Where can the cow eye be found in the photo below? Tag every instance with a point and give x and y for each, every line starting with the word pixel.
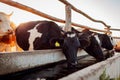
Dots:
pixel 111 38
pixel 0 20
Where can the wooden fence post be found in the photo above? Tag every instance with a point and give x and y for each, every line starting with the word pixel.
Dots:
pixel 68 18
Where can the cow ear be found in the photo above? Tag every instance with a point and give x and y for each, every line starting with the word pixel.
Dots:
pixel 56 42
pixel 10 14
pixel 79 34
pixel 93 34
pixel 63 32
pixel 74 30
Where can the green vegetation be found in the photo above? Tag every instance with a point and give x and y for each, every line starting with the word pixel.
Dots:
pixel 103 76
pixel 116 78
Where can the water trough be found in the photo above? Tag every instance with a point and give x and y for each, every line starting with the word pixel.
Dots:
pixel 18 61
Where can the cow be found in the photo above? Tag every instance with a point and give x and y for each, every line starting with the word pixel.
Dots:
pixel 97 43
pixel 7 34
pixel 39 35
pixel 6 31
pixel 5 27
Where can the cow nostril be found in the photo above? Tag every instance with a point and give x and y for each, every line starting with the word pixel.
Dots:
pixel 10 31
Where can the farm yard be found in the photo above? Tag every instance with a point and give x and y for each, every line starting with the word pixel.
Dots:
pixel 42 50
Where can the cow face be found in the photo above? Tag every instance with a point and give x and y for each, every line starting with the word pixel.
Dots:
pixel 5 24
pixel 106 41
pixel 69 44
pixel 70 47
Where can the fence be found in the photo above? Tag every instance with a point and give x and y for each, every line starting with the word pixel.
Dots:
pixel 39 13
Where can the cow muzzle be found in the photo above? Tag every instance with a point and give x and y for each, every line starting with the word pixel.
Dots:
pixel 9 32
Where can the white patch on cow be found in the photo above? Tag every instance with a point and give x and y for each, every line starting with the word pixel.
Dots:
pixel 103 49
pixel 112 41
pixel 33 34
pixel 97 38
pixel 71 35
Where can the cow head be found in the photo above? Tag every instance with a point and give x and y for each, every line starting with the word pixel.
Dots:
pixel 69 44
pixel 106 41
pixel 70 47
pixel 5 27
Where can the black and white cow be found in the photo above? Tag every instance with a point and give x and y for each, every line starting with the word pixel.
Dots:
pixel 97 43
pixel 38 35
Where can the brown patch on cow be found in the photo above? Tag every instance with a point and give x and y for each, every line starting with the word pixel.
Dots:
pixel 7 39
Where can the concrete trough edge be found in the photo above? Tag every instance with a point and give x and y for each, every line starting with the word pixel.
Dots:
pixel 111 66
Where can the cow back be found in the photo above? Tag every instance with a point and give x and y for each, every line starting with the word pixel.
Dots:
pixel 45 30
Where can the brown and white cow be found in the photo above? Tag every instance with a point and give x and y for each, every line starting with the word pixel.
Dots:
pixel 5 27
pixel 7 36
